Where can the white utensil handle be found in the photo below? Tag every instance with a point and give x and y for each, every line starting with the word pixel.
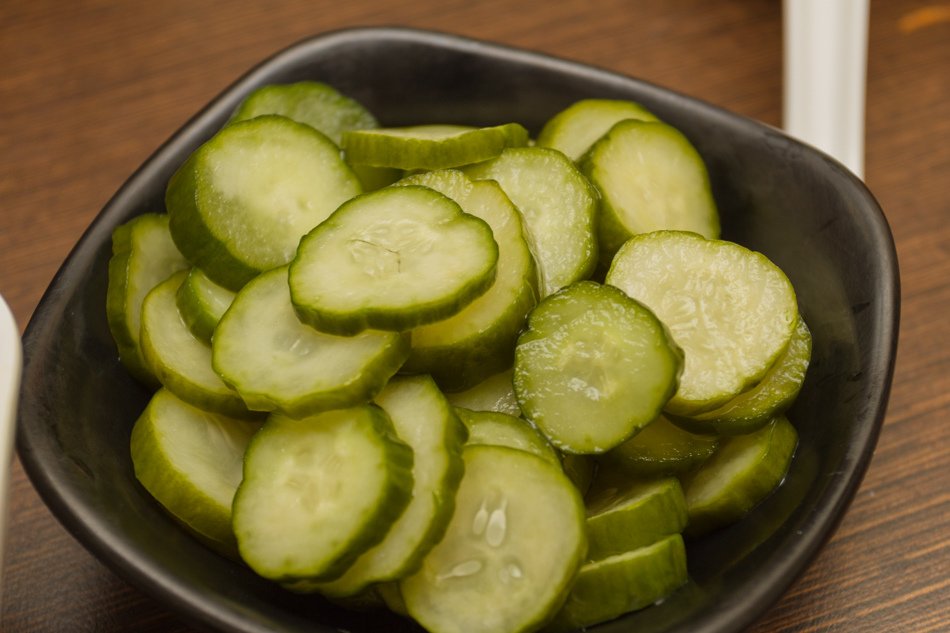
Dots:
pixel 825 74
pixel 10 362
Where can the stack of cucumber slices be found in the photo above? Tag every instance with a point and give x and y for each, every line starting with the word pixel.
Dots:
pixel 485 381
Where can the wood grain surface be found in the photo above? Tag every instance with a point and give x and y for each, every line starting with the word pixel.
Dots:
pixel 89 88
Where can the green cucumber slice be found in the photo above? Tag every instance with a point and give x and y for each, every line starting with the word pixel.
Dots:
pixel 431 146
pixel 500 429
pixel 580 469
pixel 143 255
pixel 464 349
pixel 319 491
pixel 651 178
pixel 241 202
pixel 190 461
pixel 776 392
pixel 593 367
pixel 510 552
pixel 731 310
pixel 277 363
pixel 391 259
pixel 608 588
pixel 625 514
pixel 495 393
pixel 202 303
pixel 392 596
pixel 659 449
pixel 559 207
pixel 574 129
pixel 427 423
pixel 745 470
pixel 181 362
pixel 316 104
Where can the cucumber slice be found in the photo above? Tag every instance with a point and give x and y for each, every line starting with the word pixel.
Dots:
pixel 277 363
pixel 651 178
pixel 608 588
pixel 623 514
pixel 143 255
pixel 574 129
pixel 559 207
pixel 319 491
pixel 660 449
pixel 431 146
pixel 392 596
pixel 392 259
pixel 425 420
pixel 731 310
pixel 316 104
pixel 580 469
pixel 510 553
pixel 593 367
pixel 202 303
pixel 754 408
pixel 241 201
pixel 500 429
pixel 745 470
pixel 181 362
pixel 495 393
pixel 464 349
pixel 190 461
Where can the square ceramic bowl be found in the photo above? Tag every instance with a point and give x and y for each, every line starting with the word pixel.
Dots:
pixel 798 206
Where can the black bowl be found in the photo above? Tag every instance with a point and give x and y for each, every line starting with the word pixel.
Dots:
pixel 798 206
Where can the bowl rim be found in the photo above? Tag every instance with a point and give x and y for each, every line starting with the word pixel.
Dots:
pixel 94 534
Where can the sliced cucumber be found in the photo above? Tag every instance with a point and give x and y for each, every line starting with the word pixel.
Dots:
pixel 593 367
pixel 495 393
pixel 464 349
pixel 745 470
pixel 202 303
pixel 651 178
pixel 574 129
pixel 431 146
pixel 143 255
pixel 776 392
pixel 319 491
pixel 392 596
pixel 625 514
pixel 392 259
pixel 660 449
pixel 277 363
pixel 608 588
pixel 500 429
pixel 510 553
pixel 425 420
pixel 580 469
pixel 241 201
pixel 731 310
pixel 182 362
pixel 316 104
pixel 190 461
pixel 559 207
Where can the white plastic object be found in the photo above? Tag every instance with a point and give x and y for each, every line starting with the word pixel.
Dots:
pixel 825 73
pixel 11 357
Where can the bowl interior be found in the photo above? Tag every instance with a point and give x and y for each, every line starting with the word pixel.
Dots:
pixel 802 209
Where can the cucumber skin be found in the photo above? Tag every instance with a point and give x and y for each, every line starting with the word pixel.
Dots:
pixel 639 460
pixel 190 304
pixel 397 493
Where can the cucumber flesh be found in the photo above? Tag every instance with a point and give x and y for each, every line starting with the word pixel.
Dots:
pixel 500 429
pixel 574 129
pixel 427 423
pixel 392 259
pixel 202 303
pixel 731 310
pixel 510 552
pixel 660 449
pixel 319 491
pixel 495 393
pixel 559 207
pixel 143 255
pixel 277 363
pixel 479 340
pixel 190 461
pixel 593 367
pixel 241 202
pixel 745 470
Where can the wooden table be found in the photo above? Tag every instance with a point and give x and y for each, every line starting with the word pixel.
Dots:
pixel 89 88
